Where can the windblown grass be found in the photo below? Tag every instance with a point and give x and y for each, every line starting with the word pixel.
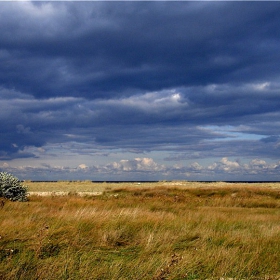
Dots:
pixel 156 233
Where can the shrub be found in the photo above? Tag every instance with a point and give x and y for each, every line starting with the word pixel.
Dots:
pixel 11 188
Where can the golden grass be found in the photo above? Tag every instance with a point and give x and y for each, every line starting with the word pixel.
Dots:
pixel 88 186
pixel 144 232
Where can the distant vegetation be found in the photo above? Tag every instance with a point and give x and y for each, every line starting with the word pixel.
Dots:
pixel 144 233
pixel 11 188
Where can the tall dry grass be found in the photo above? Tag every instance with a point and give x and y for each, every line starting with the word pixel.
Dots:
pixel 151 233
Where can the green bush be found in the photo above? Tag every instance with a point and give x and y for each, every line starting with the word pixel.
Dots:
pixel 11 188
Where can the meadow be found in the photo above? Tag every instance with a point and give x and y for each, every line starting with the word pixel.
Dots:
pixel 155 231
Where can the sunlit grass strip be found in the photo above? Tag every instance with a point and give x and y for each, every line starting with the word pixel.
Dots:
pixel 88 186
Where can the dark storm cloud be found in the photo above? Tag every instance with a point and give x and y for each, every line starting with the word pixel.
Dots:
pixel 191 80
pixel 155 121
pixel 100 49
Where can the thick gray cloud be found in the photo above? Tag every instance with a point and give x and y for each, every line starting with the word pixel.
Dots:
pixel 179 81
pixel 103 49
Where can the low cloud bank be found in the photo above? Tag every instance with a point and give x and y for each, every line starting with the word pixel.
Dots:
pixel 148 169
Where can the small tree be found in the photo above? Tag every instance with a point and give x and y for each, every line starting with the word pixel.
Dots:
pixel 11 188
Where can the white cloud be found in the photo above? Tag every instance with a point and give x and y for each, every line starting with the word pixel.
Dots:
pixel 229 165
pixel 148 169
pixel 261 86
pixel 159 99
pixel 258 162
pixel 196 166
pixel 212 166
pixel 83 166
pixel 138 164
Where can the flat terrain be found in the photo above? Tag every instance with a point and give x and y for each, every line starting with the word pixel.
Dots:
pixel 156 231
pixel 87 187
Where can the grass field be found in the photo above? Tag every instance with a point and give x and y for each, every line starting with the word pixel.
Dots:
pixel 164 230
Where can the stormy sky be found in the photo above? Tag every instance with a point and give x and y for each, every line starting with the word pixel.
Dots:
pixel 140 90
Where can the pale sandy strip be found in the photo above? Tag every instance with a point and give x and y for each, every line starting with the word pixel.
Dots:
pixel 63 193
